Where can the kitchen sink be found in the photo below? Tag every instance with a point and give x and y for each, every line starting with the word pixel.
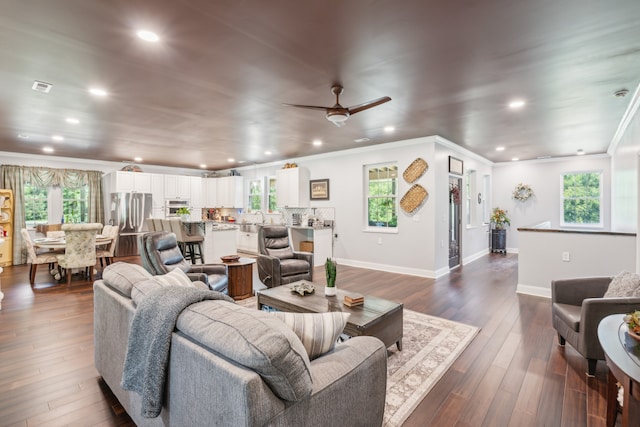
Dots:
pixel 248 228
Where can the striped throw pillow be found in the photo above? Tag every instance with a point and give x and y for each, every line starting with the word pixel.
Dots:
pixel 317 331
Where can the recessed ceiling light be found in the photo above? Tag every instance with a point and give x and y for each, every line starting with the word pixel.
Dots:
pixel 41 86
pixel 389 128
pixel 137 159
pixel 516 103
pixel 500 148
pixel 515 159
pixel 580 152
pixel 23 136
pixel 47 149
pixel 317 142
pixel 97 91
pixel 57 138
pixel 72 120
pixel 543 157
pixel 231 160
pixel 241 161
pixel 148 36
pixel 365 139
pixel 203 166
pixel 267 153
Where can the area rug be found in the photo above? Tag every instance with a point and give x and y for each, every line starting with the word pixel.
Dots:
pixel 430 345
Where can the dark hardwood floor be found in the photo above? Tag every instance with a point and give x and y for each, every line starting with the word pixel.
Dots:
pixel 513 374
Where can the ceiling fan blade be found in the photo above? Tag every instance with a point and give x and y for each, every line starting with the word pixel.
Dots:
pixel 367 105
pixel 310 107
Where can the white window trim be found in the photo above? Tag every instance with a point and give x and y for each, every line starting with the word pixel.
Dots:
pixel 371 229
pixel 577 226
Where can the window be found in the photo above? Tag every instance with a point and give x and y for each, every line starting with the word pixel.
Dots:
pixel 54 204
pixel 582 199
pixel 35 205
pixel 273 204
pixel 255 195
pixel 74 204
pixel 381 193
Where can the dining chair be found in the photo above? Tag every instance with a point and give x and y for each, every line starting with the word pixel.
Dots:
pixel 80 248
pixel 36 259
pixel 107 254
pixel 149 224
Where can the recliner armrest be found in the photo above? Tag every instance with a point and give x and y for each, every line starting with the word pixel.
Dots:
pixel 209 269
pixel 269 270
pixel 198 277
pixel 574 291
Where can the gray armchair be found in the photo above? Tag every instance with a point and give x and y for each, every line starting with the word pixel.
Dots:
pixel 278 263
pixel 577 307
pixel 160 254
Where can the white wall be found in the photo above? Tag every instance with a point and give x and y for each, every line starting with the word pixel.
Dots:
pixel 544 178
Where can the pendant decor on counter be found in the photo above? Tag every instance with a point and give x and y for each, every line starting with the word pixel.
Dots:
pixel 415 170
pixel 414 198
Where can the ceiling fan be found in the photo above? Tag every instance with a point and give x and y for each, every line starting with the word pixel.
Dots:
pixel 337 114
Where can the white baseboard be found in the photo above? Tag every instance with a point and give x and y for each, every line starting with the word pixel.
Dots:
pixel 533 290
pixel 430 274
pixel 475 256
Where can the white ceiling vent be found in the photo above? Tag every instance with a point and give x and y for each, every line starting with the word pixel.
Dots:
pixel 41 86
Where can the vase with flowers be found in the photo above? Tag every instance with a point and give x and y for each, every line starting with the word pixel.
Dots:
pixel 499 219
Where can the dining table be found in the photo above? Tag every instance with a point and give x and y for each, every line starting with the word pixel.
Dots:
pixel 59 242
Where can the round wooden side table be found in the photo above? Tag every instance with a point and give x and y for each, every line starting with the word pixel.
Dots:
pixel 240 274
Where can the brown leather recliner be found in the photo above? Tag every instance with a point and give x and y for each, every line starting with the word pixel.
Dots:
pixel 577 307
pixel 278 263
pixel 160 254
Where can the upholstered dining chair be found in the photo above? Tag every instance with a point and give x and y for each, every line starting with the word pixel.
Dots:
pixel 80 248
pixel 106 254
pixel 35 259
pixel 278 263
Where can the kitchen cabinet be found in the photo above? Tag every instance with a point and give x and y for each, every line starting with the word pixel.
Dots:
pixel 177 187
pixel 322 239
pixel 129 182
pixel 157 192
pixel 292 188
pixel 248 242
pixel 6 226
pixel 210 192
pixel 230 192
pixel 197 200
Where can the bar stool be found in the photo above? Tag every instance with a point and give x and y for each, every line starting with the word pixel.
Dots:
pixel 188 243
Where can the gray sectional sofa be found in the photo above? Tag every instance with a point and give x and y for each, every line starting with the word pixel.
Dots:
pixel 209 382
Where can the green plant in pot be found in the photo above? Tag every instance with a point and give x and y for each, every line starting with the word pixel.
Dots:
pixel 184 213
pixel 330 270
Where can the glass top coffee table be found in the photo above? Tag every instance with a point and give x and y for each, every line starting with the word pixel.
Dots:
pixel 377 317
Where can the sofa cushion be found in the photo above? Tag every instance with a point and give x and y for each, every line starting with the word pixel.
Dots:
pixel 254 339
pixel 317 331
pixel 175 277
pixel 623 284
pixel 122 276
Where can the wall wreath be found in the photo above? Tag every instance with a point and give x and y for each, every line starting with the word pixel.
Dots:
pixel 522 192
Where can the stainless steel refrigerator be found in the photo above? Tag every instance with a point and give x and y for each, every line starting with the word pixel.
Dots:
pixel 128 212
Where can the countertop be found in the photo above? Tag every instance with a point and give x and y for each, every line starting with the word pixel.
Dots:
pixel 214 225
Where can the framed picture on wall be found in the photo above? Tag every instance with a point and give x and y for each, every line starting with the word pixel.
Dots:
pixel 319 189
pixel 455 166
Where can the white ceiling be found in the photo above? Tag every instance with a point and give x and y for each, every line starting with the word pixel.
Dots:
pixel 213 87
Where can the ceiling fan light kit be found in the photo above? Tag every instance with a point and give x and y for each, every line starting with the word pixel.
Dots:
pixel 337 114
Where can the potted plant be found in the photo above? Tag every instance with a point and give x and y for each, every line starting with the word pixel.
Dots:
pixel 499 219
pixel 330 270
pixel 184 213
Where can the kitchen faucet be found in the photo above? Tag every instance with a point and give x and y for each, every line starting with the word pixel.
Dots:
pixel 261 215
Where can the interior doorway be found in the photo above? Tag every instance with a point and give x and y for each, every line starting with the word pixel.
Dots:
pixel 455 204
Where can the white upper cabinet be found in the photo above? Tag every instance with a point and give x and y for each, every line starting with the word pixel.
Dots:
pixel 177 187
pixel 210 192
pixel 157 191
pixel 196 190
pixel 130 182
pixel 292 187
pixel 230 192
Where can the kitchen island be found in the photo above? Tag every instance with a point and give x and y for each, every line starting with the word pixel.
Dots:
pixel 219 239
